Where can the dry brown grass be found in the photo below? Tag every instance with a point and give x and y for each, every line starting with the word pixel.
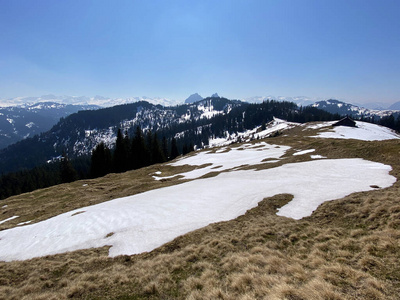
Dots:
pixel 348 249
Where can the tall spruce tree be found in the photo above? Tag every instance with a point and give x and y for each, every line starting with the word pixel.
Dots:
pixel 164 147
pixel 157 153
pixel 174 149
pixel 121 158
pixel 101 161
pixel 138 150
pixel 67 171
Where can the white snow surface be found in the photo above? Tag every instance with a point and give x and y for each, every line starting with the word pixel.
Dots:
pixel 272 127
pixel 303 152
pixel 225 159
pixel 8 219
pixel 145 221
pixel 364 131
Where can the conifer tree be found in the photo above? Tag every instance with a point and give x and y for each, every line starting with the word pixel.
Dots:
pixel 120 159
pixel 174 149
pixel 67 171
pixel 185 149
pixel 101 162
pixel 138 150
pixel 149 148
pixel 164 146
pixel 157 155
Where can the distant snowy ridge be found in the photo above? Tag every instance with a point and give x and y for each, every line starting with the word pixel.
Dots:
pixel 83 100
pixel 342 108
pixel 300 100
pixel 26 120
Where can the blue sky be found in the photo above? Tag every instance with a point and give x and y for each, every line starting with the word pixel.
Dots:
pixel 347 50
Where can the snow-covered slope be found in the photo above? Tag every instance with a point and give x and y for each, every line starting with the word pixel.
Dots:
pixel 364 131
pixel 145 221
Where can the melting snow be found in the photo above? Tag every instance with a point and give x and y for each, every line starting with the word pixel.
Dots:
pixel 24 223
pixel 317 156
pixel 364 131
pixel 247 154
pixel 304 152
pixel 274 126
pixel 9 219
pixel 145 221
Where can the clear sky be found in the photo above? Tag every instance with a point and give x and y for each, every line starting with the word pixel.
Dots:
pixel 348 50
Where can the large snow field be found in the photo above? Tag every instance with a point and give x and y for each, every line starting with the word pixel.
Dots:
pixel 145 221
pixel 364 131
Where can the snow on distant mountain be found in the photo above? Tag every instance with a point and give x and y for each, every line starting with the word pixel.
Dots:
pixel 27 120
pixel 83 100
pixel 338 107
pixel 79 133
pixel 374 105
pixel 193 98
pixel 300 101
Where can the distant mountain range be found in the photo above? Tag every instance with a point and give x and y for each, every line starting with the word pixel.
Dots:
pixel 83 100
pixel 80 132
pixel 346 109
pixel 196 97
pixel 301 100
pixel 195 123
pixel 27 120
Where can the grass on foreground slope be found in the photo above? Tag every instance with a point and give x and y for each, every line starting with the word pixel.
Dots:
pixel 348 249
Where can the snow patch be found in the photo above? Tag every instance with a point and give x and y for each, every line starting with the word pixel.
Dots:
pixel 9 219
pixel 303 152
pixel 317 156
pixel 23 223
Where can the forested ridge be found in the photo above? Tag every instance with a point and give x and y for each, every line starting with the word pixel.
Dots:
pixel 137 146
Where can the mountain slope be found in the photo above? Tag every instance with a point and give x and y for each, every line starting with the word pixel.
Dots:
pixel 20 122
pixel 346 109
pixel 79 133
pixel 193 98
pixel 83 100
pixel 347 249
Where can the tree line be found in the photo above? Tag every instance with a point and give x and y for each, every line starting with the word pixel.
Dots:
pixel 135 148
pixel 142 149
pixel 131 153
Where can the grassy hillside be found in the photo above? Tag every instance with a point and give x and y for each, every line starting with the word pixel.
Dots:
pixel 348 249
